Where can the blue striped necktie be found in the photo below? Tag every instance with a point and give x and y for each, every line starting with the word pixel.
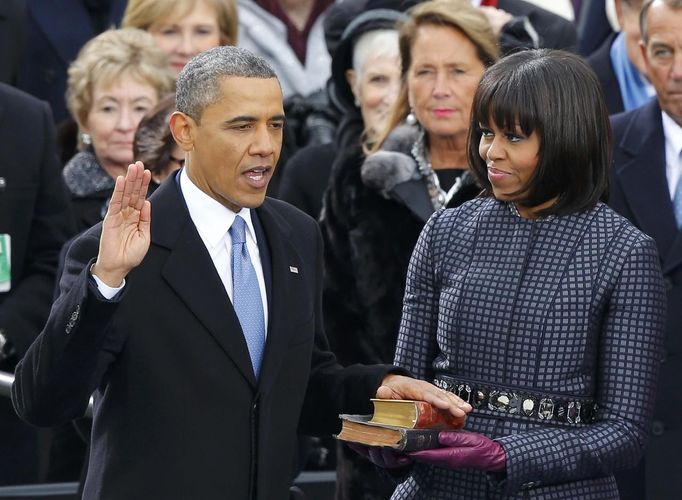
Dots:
pixel 246 297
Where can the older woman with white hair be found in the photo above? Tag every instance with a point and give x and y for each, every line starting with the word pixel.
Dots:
pixel 364 85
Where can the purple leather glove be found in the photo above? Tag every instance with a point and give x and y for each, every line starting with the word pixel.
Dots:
pixel 385 458
pixel 464 450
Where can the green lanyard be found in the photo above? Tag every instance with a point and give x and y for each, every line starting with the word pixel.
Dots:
pixel 4 259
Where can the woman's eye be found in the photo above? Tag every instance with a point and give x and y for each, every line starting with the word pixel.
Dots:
pixel 487 133
pixel 204 30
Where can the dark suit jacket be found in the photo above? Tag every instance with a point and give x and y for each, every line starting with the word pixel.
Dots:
pixel 600 62
pixel 178 412
pixel 55 32
pixel 34 210
pixel 639 191
pixel 555 31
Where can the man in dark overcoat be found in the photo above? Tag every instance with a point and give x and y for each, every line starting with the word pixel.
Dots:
pixel 194 317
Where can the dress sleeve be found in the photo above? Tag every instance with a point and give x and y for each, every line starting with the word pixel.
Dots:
pixel 631 341
pixel 417 348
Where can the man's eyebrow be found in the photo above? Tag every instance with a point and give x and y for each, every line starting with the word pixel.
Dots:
pixel 251 118
pixel 242 118
pixel 659 44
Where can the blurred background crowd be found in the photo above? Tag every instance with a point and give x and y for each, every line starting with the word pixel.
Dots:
pixel 88 87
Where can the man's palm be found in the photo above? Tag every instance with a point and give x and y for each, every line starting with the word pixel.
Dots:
pixel 126 227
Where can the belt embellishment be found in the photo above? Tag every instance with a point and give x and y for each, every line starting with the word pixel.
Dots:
pixel 542 407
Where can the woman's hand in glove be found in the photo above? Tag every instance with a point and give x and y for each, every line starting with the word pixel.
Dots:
pixel 462 449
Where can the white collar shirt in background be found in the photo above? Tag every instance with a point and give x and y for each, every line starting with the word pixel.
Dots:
pixel 673 152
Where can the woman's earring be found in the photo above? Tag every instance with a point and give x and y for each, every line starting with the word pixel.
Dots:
pixel 86 139
pixel 411 119
pixel 357 102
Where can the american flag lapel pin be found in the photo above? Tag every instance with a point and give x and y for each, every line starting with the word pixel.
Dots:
pixel 293 269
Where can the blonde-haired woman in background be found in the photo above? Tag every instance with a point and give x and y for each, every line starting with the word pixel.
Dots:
pixel 116 79
pixel 183 28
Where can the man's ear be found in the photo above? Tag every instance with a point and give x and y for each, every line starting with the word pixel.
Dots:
pixel 183 127
pixel 619 13
pixel 645 55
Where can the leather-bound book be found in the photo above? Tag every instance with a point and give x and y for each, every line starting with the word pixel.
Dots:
pixel 411 414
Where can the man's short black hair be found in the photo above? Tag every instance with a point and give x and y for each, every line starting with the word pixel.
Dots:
pixel 555 94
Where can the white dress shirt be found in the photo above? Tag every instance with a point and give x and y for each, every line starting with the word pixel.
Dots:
pixel 673 152
pixel 213 221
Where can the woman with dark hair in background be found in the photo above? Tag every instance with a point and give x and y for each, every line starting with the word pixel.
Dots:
pixel 154 145
pixel 537 303
pixel 376 205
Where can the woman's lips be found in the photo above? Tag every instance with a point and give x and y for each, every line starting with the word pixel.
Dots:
pixel 495 175
pixel 178 65
pixel 443 112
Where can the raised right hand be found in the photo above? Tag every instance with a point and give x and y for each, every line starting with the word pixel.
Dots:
pixel 126 227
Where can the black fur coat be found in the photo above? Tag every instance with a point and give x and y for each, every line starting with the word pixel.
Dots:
pixel 370 229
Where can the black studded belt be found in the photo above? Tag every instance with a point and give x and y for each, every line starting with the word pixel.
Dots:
pixel 526 404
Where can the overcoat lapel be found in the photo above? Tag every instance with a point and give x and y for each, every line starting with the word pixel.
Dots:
pixel 283 256
pixel 190 272
pixel 643 178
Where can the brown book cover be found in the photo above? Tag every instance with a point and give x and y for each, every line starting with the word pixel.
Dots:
pixel 359 429
pixel 411 414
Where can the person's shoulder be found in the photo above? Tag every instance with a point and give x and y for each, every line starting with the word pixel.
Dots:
pixel 20 104
pixel 642 117
pixel 466 214
pixel 609 221
pixel 471 208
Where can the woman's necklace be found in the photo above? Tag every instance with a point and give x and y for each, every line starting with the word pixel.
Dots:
pixel 437 195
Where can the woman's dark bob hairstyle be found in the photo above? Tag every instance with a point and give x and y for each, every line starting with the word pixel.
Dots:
pixel 555 94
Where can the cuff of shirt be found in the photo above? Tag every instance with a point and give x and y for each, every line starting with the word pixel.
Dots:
pixel 107 292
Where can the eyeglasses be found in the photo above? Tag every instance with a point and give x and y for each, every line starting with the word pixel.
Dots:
pixel 179 161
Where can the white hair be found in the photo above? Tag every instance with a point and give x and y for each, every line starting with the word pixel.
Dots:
pixel 382 42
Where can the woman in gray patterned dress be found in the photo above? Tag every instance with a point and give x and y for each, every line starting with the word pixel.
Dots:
pixel 537 303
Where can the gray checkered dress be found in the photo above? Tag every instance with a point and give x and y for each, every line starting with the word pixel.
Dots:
pixel 569 306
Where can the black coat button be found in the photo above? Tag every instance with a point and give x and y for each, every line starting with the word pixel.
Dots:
pixel 657 428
